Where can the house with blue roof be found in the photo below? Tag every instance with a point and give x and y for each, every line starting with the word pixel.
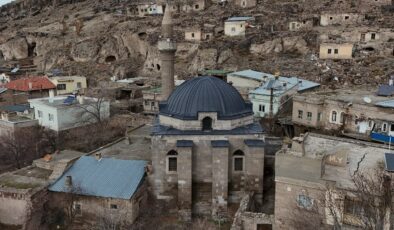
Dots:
pixel 237 26
pixel 102 188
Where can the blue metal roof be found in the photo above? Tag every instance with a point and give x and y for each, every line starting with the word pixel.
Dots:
pixel 385 90
pixel 15 108
pixel 108 177
pixel 184 143
pixel 220 144
pixel 389 160
pixel 387 104
pixel 205 94
pixel 254 143
pixel 233 19
pixel 283 84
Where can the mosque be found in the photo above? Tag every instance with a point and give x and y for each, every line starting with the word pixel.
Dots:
pixel 207 150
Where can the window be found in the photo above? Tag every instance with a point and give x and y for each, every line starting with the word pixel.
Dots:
pixel 207 36
pixel 243 3
pixel 346 17
pixel 342 117
pixel 61 86
pixel 77 209
pixel 373 36
pixel 241 25
pixel 293 25
pixel 207 124
pixel 232 29
pixel 335 51
pixel 318 116
pixel 238 159
pixel 197 7
pixel 330 18
pixel 370 123
pixel 300 114
pixel 152 103
pixel 384 127
pixel 309 116
pixel 39 113
pixel 262 108
pixel 352 207
pixel 50 117
pixel 79 85
pixel 113 206
pixel 172 162
pixel 304 201
pixel 146 103
pixel 192 35
pixel 392 128
pixel 329 51
pixel 334 116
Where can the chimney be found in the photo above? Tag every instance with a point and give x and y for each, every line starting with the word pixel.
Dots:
pixel 30 85
pixel 81 99
pixel 98 156
pixel 51 95
pixel 68 182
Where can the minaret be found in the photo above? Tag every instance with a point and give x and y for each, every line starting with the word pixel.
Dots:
pixel 167 48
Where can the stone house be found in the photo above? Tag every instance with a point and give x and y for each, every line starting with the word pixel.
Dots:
pixel 194 5
pixel 23 193
pixel 69 84
pixel 246 3
pixel 300 25
pixel 151 100
pixel 305 196
pixel 356 112
pixel 206 149
pixel 333 19
pixel 198 34
pixel 150 8
pixel 102 189
pixel 66 112
pixel 336 51
pixel 33 87
pixel 237 26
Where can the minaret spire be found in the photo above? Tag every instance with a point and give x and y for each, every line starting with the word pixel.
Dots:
pixel 167 48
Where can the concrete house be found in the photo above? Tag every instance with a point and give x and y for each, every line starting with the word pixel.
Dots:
pixel 300 25
pixel 103 189
pixel 246 80
pixel 15 118
pixel 237 26
pixel 150 8
pixel 317 169
pixel 276 94
pixel 69 84
pixel 357 113
pixel 198 34
pixel 195 5
pixel 65 112
pixel 336 51
pixel 206 143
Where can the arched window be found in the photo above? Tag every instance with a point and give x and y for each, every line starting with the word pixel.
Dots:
pixel 342 117
pixel 172 161
pixel 334 116
pixel 207 124
pixel 238 161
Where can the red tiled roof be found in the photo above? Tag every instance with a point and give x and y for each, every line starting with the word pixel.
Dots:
pixel 37 83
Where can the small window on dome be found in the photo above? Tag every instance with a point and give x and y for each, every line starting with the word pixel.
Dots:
pixel 207 124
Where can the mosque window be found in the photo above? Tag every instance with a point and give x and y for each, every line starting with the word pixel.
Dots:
pixel 207 124
pixel 172 161
pixel 238 160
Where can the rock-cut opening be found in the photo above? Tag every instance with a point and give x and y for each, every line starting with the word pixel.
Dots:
pixel 110 59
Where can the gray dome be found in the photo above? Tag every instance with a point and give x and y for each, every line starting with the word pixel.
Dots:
pixel 205 94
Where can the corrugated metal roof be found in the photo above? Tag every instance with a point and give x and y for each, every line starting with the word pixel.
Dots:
pixel 15 108
pixel 283 84
pixel 252 74
pixel 254 143
pixel 108 177
pixel 387 104
pixel 220 143
pixel 386 90
pixel 233 19
pixel 184 143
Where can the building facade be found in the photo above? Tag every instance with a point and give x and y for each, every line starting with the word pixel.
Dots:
pixel 69 84
pixel 336 51
pixel 206 148
pixel 236 26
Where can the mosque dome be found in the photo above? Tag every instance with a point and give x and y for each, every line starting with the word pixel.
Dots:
pixel 205 94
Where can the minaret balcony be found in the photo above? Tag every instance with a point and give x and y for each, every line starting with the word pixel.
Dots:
pixel 168 44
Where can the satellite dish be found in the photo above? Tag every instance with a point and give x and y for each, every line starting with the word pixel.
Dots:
pixel 367 100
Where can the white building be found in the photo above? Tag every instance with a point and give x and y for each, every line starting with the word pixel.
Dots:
pixel 68 84
pixel 236 26
pixel 65 112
